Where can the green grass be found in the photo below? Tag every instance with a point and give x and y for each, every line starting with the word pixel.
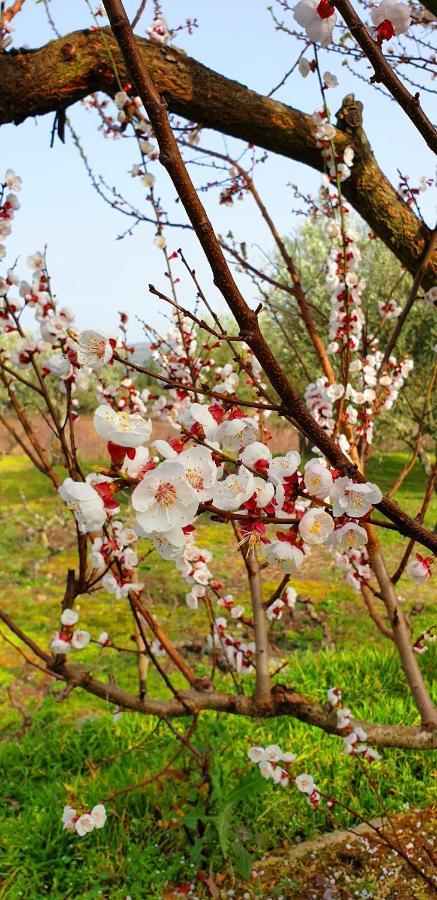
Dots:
pixel 171 829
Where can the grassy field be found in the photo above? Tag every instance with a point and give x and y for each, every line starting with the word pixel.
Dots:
pixel 54 751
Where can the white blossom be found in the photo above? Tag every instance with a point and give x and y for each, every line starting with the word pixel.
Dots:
pixel 69 617
pixel 93 349
pixel 354 500
pixel 234 490
pixel 164 499
pixel 122 428
pixel 318 19
pixel 316 526
pixel 86 503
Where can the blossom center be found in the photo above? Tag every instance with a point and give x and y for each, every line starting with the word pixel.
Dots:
pixel 97 347
pixel 234 487
pixel 165 494
pixel 356 499
pixel 194 476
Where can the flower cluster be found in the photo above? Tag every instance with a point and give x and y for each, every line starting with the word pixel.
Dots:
pixel 419 568
pixel 238 654
pixel 67 636
pixel 318 17
pixel 338 163
pixel 91 501
pixel 287 600
pixel 83 823
pixel 354 741
pixel 268 760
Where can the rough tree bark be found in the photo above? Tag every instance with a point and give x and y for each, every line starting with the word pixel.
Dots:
pixel 64 71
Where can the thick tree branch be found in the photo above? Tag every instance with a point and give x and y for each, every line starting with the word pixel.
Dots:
pixel 66 70
pixel 286 702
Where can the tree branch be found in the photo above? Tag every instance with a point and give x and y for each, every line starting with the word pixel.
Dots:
pixel 35 82
pixel 385 74
pixel 170 157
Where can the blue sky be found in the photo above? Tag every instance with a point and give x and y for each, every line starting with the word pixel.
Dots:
pixel 97 275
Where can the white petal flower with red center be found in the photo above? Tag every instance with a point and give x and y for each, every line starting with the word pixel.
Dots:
pixel 192 598
pixel 54 328
pixel 304 783
pixel 200 471
pixel 58 645
pixel 316 526
pixel 69 617
pixel 274 611
pixel 80 639
pixel 86 503
pixel 118 588
pixel 136 467
pixel 325 132
pixel 285 555
pixel 104 639
pixel 36 261
pixel 170 545
pixel 121 428
pixel 159 30
pixel 283 466
pixel 318 19
pixel 354 500
pixel 93 349
pixel 12 181
pixel 390 18
pixel 389 309
pixel 96 558
pixel 256 456
pixel 69 817
pixel 290 597
pixel 349 537
pixel 202 574
pixel 129 558
pixel 234 490
pixel 126 536
pixel 84 824
pixel 344 717
pixel 263 492
pixel 419 569
pixel 235 434
pixel 157 648
pixel 266 769
pixel 256 754
pixel 237 611
pixel 330 80
pixel 304 67
pixel 164 499
pixel 317 479
pixel 199 414
pixel 98 815
pixel 334 696
pixel 59 365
